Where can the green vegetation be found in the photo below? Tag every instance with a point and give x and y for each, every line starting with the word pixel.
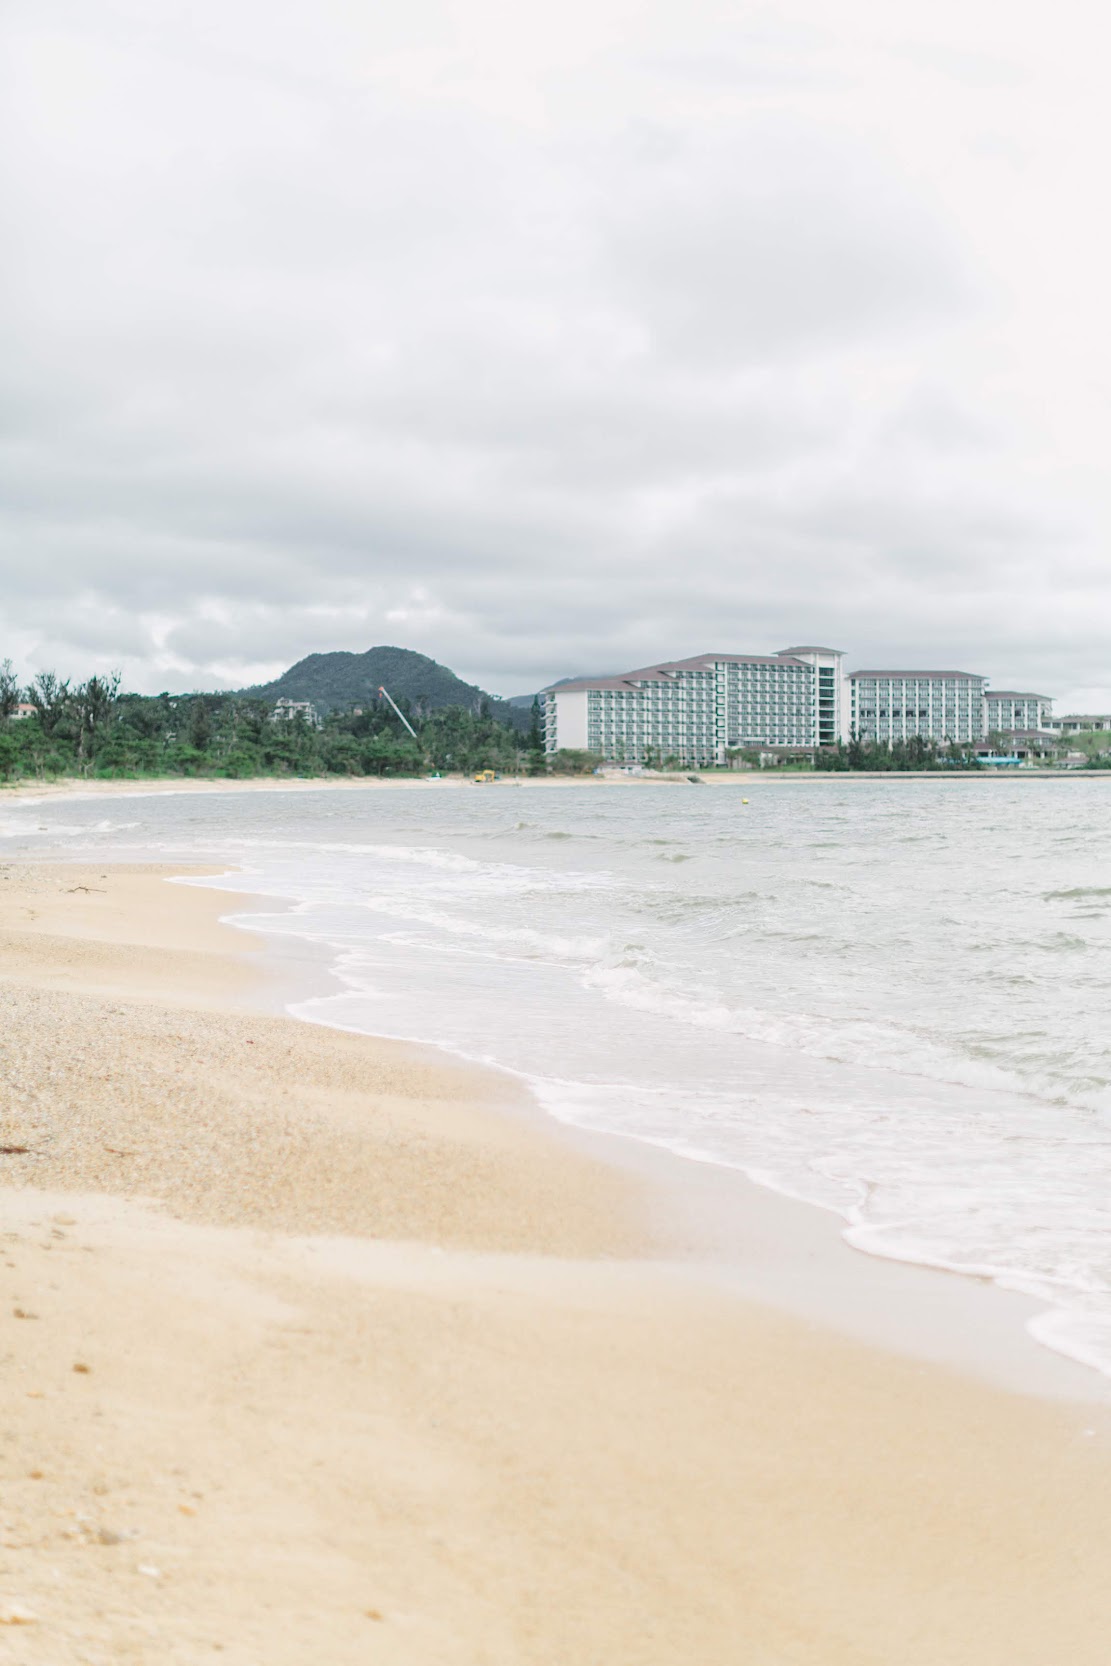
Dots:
pixel 336 682
pixel 1095 744
pixel 93 730
pixel 913 754
pixel 570 761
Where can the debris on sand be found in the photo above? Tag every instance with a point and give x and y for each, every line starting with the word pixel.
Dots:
pixel 14 1614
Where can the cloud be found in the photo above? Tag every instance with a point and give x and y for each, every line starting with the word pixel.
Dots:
pixel 539 343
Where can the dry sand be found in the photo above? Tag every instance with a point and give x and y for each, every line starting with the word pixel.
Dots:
pixel 317 1351
pixel 64 787
pixel 67 787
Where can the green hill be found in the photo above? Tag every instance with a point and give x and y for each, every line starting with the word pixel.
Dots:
pixel 344 679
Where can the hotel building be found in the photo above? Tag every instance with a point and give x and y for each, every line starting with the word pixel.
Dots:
pixel 695 709
pixel 1010 713
pixel 940 706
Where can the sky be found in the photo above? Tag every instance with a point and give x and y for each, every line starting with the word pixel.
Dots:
pixel 555 339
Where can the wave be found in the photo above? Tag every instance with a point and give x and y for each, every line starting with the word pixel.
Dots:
pixel 633 979
pixel 546 945
pixel 426 856
pixel 63 830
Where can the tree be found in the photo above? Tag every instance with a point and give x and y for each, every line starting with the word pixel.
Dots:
pixel 51 700
pixel 570 761
pixel 9 691
pixel 95 702
pixel 200 726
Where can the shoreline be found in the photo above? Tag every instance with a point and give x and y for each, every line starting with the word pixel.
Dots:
pixel 784 1252
pixel 426 1378
pixel 133 787
pixel 963 1320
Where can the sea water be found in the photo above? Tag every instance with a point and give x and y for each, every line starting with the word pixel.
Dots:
pixel 891 998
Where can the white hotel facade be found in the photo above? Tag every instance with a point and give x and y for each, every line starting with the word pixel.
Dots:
pixel 1011 713
pixel 939 706
pixel 697 709
pixel 694 709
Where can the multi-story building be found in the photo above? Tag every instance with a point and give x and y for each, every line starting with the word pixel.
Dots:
pixel 1010 713
pixel 695 709
pixel 939 706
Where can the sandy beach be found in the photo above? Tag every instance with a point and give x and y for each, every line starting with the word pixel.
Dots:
pixel 320 1349
pixel 22 791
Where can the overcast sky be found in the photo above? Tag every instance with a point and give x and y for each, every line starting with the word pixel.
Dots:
pixel 548 338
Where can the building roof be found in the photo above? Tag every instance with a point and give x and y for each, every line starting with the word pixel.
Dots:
pixel 575 685
pixel 1009 694
pixel 665 671
pixel 963 676
pixel 808 648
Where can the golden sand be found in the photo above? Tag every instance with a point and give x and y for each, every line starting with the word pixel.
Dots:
pixel 319 1351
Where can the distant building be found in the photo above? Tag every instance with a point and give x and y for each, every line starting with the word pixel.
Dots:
pixel 695 710
pixel 1010 713
pixel 938 706
pixel 286 710
pixel 24 709
pixel 698 710
pixel 1028 746
pixel 1076 723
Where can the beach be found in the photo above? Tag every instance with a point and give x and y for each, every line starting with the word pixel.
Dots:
pixel 327 1348
pixel 124 786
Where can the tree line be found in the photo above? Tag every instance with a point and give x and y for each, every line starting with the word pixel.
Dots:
pixel 95 729
pixel 916 753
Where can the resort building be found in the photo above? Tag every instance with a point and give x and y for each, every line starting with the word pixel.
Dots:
pixel 939 706
pixel 285 711
pixel 1010 713
pixel 1077 723
pixel 24 709
pixel 695 710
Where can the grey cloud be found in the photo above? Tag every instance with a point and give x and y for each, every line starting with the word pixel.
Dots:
pixel 679 356
pixel 784 241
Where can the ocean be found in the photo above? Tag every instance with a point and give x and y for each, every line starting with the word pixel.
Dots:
pixel 889 998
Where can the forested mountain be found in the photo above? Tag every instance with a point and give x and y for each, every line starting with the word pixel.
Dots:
pixel 338 681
